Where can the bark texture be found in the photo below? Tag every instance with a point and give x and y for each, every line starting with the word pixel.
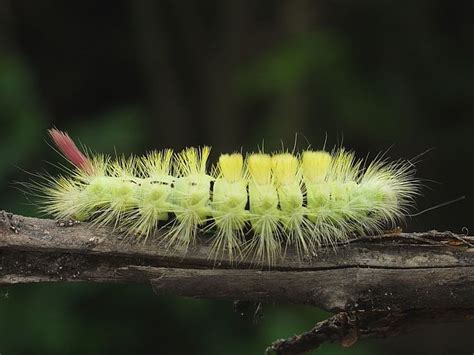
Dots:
pixel 377 285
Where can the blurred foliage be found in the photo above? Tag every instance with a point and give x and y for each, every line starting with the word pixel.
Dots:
pixel 21 113
pixel 130 76
pixel 105 319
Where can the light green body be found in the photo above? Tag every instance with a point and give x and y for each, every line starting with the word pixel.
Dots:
pixel 330 200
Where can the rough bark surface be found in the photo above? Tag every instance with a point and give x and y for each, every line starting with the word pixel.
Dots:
pixel 375 284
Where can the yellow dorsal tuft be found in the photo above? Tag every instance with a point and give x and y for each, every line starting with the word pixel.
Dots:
pixel 285 168
pixel 193 161
pixel 231 166
pixel 260 168
pixel 157 163
pixel 124 167
pixel 315 165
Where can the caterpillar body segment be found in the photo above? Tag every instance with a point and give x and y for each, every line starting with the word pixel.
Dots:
pixel 254 207
pixel 62 198
pixel 153 195
pixel 120 192
pixel 80 195
pixel 190 197
pixel 265 216
pixel 228 207
pixel 290 188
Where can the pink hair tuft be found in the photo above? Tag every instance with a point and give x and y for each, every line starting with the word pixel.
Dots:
pixel 72 153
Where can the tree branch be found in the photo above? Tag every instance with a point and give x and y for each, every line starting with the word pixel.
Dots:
pixel 377 285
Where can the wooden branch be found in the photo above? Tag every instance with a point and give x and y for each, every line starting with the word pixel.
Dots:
pixel 378 285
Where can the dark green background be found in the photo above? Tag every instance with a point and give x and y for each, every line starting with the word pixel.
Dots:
pixel 138 75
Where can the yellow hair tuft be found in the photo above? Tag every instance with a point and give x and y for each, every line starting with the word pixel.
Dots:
pixel 315 165
pixel 192 161
pixel 156 164
pixel 231 166
pixel 285 168
pixel 260 168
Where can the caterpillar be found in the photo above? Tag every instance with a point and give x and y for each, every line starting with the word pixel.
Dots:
pixel 253 206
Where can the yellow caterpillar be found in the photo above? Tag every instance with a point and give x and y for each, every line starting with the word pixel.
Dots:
pixel 253 206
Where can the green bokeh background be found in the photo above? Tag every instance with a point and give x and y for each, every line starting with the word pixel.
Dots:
pixel 131 76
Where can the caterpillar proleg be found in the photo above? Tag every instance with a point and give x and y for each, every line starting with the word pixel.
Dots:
pixel 252 206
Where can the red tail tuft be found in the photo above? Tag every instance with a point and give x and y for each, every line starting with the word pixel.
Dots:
pixel 67 146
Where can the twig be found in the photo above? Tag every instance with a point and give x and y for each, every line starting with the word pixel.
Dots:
pixel 347 328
